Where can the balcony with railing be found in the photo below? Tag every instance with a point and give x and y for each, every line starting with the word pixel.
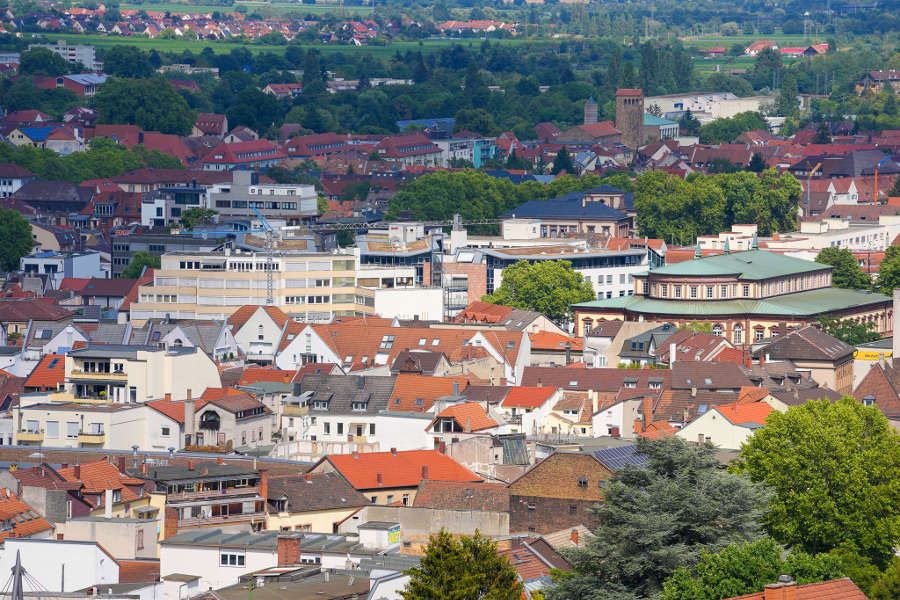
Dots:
pixel 222 520
pixel 30 435
pixel 91 437
pixel 294 410
pixel 213 494
pixel 98 375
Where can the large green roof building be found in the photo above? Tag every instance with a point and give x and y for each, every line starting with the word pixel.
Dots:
pixel 745 296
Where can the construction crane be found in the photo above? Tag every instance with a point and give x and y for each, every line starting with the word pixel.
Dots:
pixel 269 233
pixel 270 254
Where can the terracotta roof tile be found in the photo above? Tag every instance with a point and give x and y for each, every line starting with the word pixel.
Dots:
pixel 138 571
pixel 547 340
pixel 527 397
pixel 48 373
pixel 98 476
pixel 253 375
pixel 418 392
pixel 739 414
pixel 239 317
pixel 835 589
pixel 400 469
pixel 470 416
pixel 24 520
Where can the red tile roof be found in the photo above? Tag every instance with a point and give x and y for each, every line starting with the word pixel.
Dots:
pixel 527 397
pixel 738 414
pixel 239 317
pixel 138 571
pixel 24 520
pixel 547 340
pixel 256 374
pixel 49 372
pixel 835 589
pixel 411 388
pixel 98 476
pixel 470 416
pixel 400 469
pixel 483 312
pixel 243 152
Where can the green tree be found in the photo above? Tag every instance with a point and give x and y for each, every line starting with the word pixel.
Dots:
pixel 41 61
pixel 834 468
pixel 127 61
pixel 847 272
pixel 786 101
pixel 823 134
pixel 192 217
pixel 757 163
pixel 677 210
pixel 888 585
pixel 549 287
pixel 138 262
pixel 657 518
pixel 726 130
pixel 476 120
pixel 745 568
pixel 563 162
pixel 889 271
pixel 848 331
pixel 15 239
pixel 467 568
pixel 151 104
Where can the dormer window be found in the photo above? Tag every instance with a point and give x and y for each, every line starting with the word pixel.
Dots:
pixel 359 406
pixel 320 405
pixel 387 342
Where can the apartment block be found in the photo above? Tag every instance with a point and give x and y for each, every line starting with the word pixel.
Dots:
pixel 310 287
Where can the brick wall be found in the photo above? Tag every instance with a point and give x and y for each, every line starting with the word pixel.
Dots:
pixel 170 522
pixel 288 550
pixel 477 277
pixel 556 494
pixel 546 515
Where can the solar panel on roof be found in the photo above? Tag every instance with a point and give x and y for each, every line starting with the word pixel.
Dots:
pixel 616 458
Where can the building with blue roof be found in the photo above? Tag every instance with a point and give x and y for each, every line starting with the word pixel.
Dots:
pixel 604 211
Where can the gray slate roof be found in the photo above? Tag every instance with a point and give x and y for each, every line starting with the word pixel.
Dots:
pixel 341 391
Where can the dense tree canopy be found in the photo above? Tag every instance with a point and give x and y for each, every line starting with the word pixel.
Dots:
pixel 847 272
pixel 104 158
pixel 463 568
pixel 140 260
pixel 548 287
pixel 834 469
pixel 847 330
pixel 41 61
pixel 15 239
pixel 746 568
pixel 127 61
pixel 726 130
pixel 659 518
pixel 148 103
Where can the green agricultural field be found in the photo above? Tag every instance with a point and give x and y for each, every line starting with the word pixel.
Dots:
pixel 197 46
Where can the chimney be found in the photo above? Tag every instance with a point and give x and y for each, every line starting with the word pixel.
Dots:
pixel 168 397
pixel 784 589
pixel 189 410
pixel 575 536
pixel 77 472
pixel 308 477
pixel 288 550
pixel 378 478
pixel 672 351
pixel 123 461
pixel 424 471
pixel 393 452
pixel 568 353
pixel 134 457
pixel 264 484
pixel 648 412
pixel 442 447
pixel 107 504
pixel 220 460
pixel 190 465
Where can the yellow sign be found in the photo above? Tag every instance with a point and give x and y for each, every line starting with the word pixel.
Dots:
pixel 872 355
pixel 394 536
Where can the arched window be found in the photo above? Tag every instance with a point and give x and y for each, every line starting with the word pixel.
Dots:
pixel 178 343
pixel 737 334
pixel 717 329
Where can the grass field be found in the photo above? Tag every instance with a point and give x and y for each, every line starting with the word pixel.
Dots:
pixel 197 46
